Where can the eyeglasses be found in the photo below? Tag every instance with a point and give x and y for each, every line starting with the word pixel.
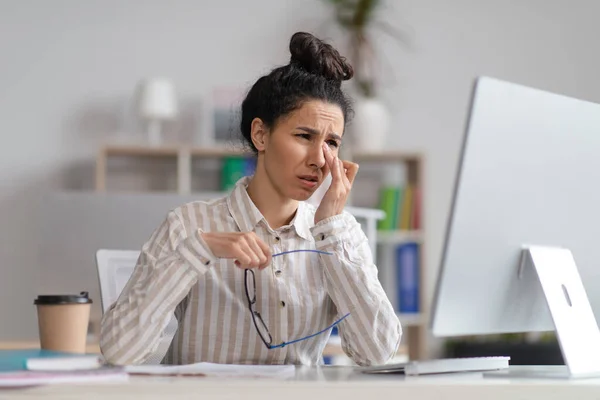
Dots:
pixel 259 323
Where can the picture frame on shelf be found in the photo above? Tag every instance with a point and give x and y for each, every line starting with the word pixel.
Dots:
pixel 221 117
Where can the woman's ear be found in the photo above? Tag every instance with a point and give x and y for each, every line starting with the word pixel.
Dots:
pixel 259 134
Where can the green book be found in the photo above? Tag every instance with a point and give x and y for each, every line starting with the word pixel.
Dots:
pixel 388 202
pixel 233 170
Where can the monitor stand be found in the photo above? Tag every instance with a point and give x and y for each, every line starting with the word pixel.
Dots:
pixel 574 321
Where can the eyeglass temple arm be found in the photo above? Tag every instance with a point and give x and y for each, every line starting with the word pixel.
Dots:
pixel 310 336
pixel 302 250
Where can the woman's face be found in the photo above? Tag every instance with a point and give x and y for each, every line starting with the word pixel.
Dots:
pixel 293 149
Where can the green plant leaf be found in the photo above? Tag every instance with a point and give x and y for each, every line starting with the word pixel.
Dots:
pixel 356 17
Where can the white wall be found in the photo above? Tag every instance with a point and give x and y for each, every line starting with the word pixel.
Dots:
pixel 549 44
pixel 68 69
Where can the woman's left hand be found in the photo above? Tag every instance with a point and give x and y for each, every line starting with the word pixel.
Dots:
pixel 342 177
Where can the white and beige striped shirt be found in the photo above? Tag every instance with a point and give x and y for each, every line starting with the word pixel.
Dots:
pixel 297 295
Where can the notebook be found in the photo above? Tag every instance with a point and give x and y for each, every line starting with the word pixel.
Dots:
pixel 45 360
pixel 441 366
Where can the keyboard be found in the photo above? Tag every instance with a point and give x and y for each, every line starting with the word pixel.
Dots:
pixel 441 366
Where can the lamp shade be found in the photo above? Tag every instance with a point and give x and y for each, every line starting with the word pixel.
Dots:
pixel 157 99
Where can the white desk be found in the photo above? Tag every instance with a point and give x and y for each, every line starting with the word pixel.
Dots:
pixel 339 383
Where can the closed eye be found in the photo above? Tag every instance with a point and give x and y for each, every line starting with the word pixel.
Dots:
pixel 308 136
pixel 333 143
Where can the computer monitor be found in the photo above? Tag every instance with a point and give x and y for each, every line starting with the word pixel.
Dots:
pixel 528 176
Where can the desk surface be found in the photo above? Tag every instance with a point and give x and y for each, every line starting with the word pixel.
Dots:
pixel 324 382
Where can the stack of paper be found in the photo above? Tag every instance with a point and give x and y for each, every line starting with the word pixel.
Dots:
pixel 66 363
pixel 216 370
pixel 27 367
pixel 36 378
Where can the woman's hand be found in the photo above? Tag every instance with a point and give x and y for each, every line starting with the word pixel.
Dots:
pixel 248 250
pixel 342 177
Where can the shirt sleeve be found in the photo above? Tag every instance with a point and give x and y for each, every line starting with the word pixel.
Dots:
pixel 372 332
pixel 167 268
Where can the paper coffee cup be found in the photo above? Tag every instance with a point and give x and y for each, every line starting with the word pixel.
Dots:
pixel 63 321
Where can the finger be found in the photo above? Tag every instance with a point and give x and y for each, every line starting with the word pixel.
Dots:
pixel 243 259
pixel 266 252
pixel 244 256
pixel 351 170
pixel 340 170
pixel 329 157
pixel 259 257
pixel 252 250
pixel 335 172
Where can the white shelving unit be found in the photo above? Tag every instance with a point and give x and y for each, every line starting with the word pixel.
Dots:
pixel 415 325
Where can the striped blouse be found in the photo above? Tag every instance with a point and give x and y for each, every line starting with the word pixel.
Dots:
pixel 299 294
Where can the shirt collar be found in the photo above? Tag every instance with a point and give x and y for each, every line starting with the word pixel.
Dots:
pixel 247 216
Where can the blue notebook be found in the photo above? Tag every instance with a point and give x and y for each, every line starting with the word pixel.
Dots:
pixel 17 360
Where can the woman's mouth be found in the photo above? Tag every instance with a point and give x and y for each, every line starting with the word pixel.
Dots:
pixel 309 181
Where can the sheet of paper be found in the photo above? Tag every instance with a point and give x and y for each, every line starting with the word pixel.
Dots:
pixel 37 378
pixel 216 370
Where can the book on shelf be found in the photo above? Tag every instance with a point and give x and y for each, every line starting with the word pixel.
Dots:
pixel 408 277
pixel 235 168
pixel 402 207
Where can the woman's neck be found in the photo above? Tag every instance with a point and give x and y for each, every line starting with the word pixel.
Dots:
pixel 277 210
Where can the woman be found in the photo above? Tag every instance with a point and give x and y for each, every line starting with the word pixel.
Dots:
pixel 218 266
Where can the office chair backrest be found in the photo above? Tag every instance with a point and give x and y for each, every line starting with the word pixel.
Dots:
pixel 114 270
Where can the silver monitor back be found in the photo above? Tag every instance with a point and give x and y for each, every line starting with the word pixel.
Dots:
pixel 528 175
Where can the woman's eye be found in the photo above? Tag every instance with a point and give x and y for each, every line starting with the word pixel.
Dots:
pixel 333 143
pixel 304 136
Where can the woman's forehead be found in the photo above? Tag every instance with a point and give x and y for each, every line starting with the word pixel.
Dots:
pixel 318 113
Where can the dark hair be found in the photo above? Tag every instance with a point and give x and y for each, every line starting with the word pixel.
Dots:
pixel 315 72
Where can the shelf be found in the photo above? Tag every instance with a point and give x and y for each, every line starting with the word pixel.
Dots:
pixel 409 319
pixel 217 152
pixel 142 149
pixel 399 236
pixel 362 212
pixel 173 149
pixel 386 157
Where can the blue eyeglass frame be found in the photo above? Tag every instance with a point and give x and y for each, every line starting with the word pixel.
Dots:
pixel 257 318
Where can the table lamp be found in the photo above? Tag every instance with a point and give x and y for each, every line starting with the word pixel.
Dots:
pixel 157 104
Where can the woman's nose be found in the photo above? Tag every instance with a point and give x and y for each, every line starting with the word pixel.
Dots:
pixel 316 156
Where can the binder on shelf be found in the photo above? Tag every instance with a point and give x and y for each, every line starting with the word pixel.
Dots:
pixel 249 166
pixel 407 273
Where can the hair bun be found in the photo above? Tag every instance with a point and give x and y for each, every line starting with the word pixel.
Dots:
pixel 318 57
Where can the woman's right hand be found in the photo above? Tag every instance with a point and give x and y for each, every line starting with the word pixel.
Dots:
pixel 248 250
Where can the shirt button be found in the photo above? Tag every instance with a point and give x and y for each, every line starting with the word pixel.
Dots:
pixel 282 303
pixel 278 272
pixel 277 238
